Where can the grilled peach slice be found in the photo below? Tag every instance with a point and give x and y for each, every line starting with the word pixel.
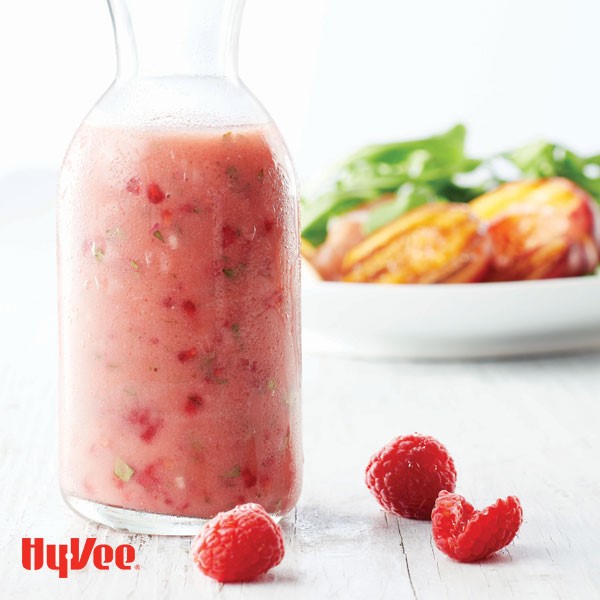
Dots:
pixel 436 243
pixel 540 229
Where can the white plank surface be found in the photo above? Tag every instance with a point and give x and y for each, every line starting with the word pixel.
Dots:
pixel 528 428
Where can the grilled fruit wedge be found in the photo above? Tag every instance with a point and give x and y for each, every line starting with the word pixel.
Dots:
pixel 435 243
pixel 540 229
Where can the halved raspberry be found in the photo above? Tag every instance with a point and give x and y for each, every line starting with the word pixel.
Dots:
pixel 407 475
pixel 238 545
pixel 467 535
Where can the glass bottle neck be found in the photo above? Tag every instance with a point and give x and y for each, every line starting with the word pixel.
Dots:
pixel 158 38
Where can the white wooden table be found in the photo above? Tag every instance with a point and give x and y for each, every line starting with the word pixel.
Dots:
pixel 529 428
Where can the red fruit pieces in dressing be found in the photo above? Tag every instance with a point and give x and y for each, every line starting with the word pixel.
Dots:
pixel 145 424
pixel 155 193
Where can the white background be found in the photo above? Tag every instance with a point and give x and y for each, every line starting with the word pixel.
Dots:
pixel 334 73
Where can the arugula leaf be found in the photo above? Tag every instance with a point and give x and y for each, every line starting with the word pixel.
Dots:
pixel 376 170
pixel 317 216
pixel 543 159
pixel 409 196
pixel 387 166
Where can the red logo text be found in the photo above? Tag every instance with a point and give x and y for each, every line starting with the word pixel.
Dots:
pixel 74 556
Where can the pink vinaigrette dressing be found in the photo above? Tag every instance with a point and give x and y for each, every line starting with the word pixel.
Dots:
pixel 179 285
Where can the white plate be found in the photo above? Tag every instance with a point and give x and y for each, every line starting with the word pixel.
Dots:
pixel 452 321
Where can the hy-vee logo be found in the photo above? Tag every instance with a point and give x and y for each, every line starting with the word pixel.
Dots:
pixel 35 553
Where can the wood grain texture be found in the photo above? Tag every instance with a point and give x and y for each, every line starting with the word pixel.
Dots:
pixel 528 428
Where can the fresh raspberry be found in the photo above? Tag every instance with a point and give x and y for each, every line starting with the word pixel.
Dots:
pixel 467 535
pixel 238 545
pixel 407 475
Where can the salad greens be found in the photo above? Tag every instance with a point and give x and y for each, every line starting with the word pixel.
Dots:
pixel 542 159
pixel 431 170
pixel 410 195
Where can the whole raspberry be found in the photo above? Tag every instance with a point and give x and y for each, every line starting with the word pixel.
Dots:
pixel 465 534
pixel 407 475
pixel 238 545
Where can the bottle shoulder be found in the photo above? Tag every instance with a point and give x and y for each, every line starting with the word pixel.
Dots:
pixel 183 112
pixel 178 102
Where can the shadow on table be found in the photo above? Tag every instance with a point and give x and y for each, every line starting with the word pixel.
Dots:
pixel 591 353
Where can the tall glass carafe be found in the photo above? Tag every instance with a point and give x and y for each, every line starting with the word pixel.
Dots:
pixel 178 284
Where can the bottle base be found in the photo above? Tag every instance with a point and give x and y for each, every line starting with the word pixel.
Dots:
pixel 137 521
pixel 134 521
